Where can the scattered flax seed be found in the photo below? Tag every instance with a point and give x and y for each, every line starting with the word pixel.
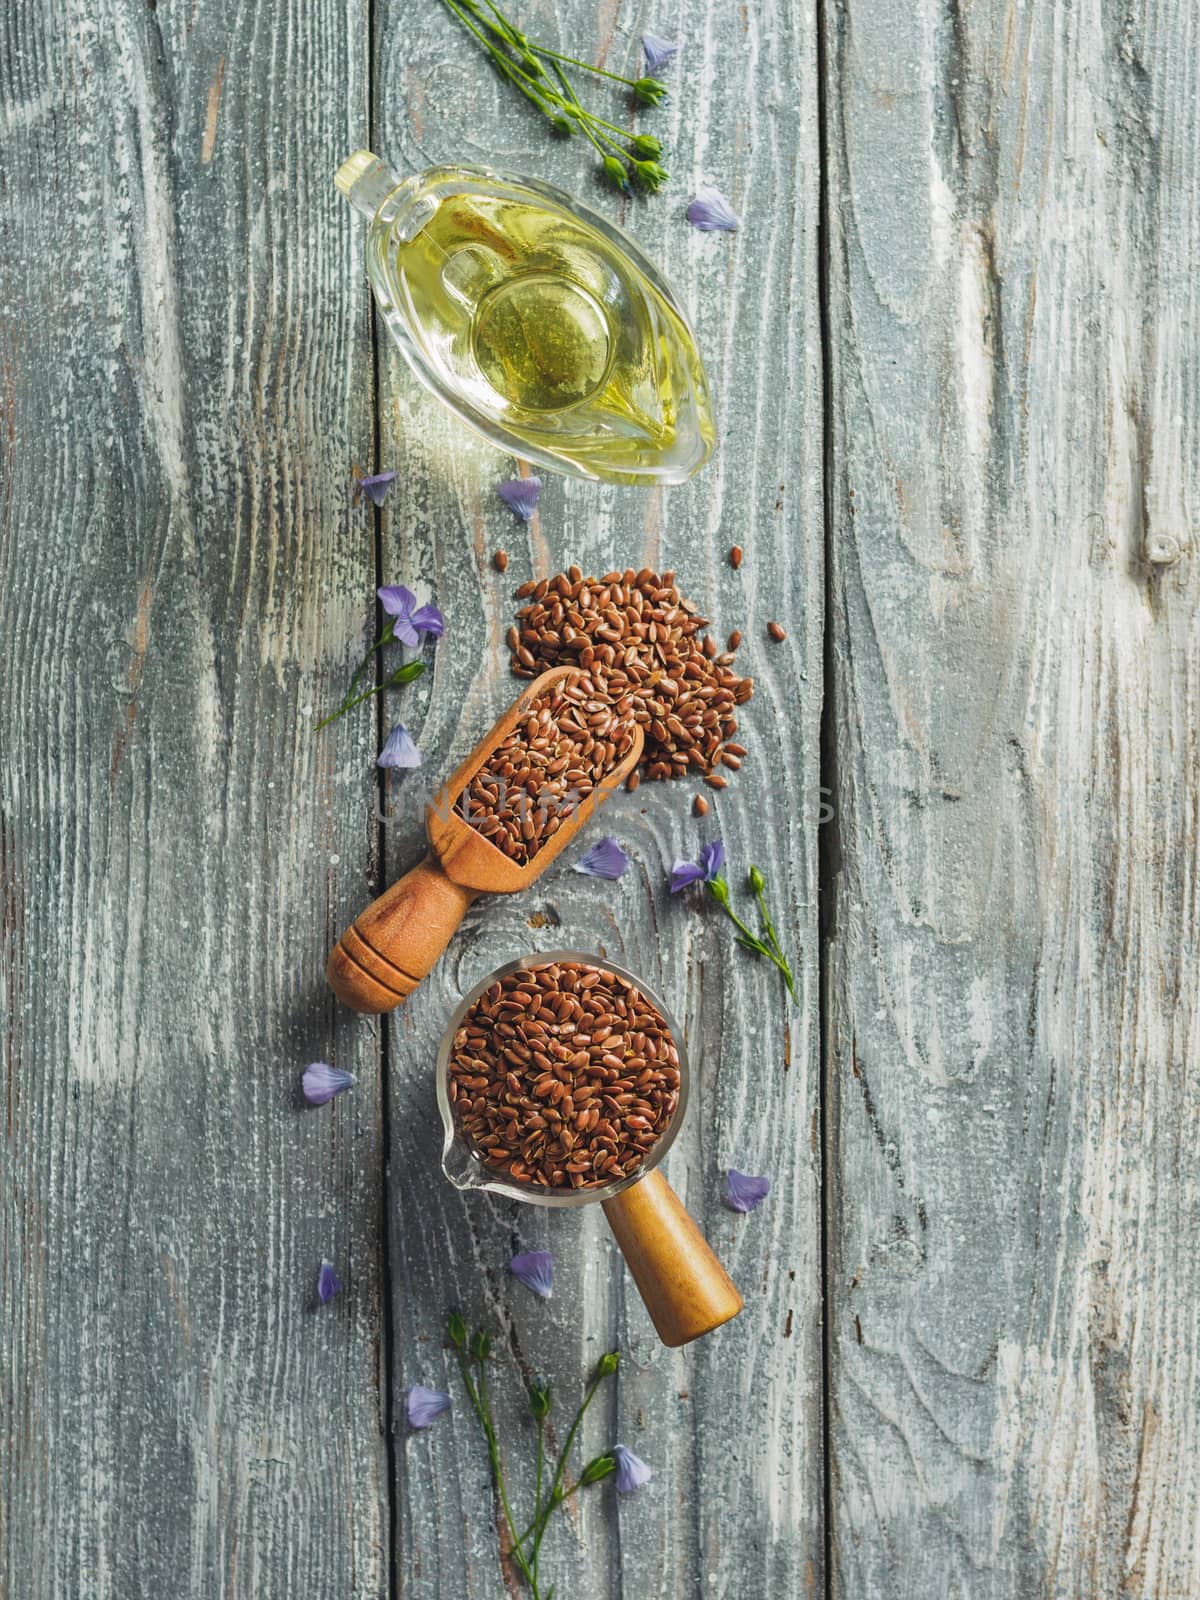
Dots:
pixel 777 633
pixel 500 560
pixel 640 647
pixel 563 1076
pixel 699 806
pixel 735 639
pixel 715 781
pixel 735 557
pixel 632 781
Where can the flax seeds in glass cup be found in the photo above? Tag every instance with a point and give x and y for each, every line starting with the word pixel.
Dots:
pixel 529 1055
pixel 561 1079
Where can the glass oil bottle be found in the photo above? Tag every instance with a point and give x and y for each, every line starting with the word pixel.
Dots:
pixel 540 323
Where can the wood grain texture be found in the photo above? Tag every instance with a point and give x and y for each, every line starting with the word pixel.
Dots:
pixel 1014 1097
pixel 731 1425
pixel 184 381
pixel 186 375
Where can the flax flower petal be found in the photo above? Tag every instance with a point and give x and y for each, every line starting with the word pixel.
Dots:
pixel 711 212
pixel 744 1193
pixel 520 495
pixel 376 486
pixel 632 1471
pixel 535 1269
pixel 428 619
pixel 712 859
pixel 321 1082
pixel 684 873
pixel 396 600
pixel 399 749
pixel 424 1406
pixel 328 1283
pixel 659 52
pixel 606 859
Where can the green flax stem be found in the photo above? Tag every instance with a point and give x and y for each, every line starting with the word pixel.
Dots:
pixel 385 637
pixel 556 1498
pixel 579 113
pixel 537 1503
pixel 403 674
pixel 771 935
pixel 546 1510
pixel 484 1412
pixel 587 66
pixel 503 41
pixel 750 940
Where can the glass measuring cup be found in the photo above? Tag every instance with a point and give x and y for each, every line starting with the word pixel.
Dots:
pixel 685 1288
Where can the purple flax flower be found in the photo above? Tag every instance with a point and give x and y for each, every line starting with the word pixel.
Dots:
pixel 328 1283
pixel 744 1193
pixel 711 212
pixel 409 620
pixel 375 487
pixel 321 1082
pixel 706 870
pixel 520 495
pixel 632 1471
pixel 535 1269
pixel 424 1406
pixel 399 749
pixel 605 859
pixel 659 52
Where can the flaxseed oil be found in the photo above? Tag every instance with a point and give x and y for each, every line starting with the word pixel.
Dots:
pixel 537 321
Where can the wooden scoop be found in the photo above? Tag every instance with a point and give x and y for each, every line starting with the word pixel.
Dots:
pixel 381 958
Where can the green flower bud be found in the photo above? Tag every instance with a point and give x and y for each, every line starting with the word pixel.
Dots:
pixel 481 1346
pixel 757 882
pixel 406 673
pixel 457 1329
pixel 608 1363
pixel 719 889
pixel 650 91
pixel 597 1469
pixel 563 125
pixel 616 174
pixel 646 147
pixel 539 1399
pixel 650 175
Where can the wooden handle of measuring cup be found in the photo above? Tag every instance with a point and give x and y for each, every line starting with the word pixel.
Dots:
pixel 686 1289
pixel 382 957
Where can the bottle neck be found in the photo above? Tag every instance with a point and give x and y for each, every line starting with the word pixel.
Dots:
pixel 366 182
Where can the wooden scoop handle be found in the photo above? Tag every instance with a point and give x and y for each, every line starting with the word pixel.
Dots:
pixel 686 1289
pixel 381 958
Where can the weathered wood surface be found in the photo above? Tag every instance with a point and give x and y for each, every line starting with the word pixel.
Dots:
pixel 732 1425
pixel 1012 1047
pixel 1010 973
pixel 186 375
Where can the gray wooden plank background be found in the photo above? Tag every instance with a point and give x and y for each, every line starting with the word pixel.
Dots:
pixel 185 378
pixel 971 397
pixel 732 1425
pixel 1012 1048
